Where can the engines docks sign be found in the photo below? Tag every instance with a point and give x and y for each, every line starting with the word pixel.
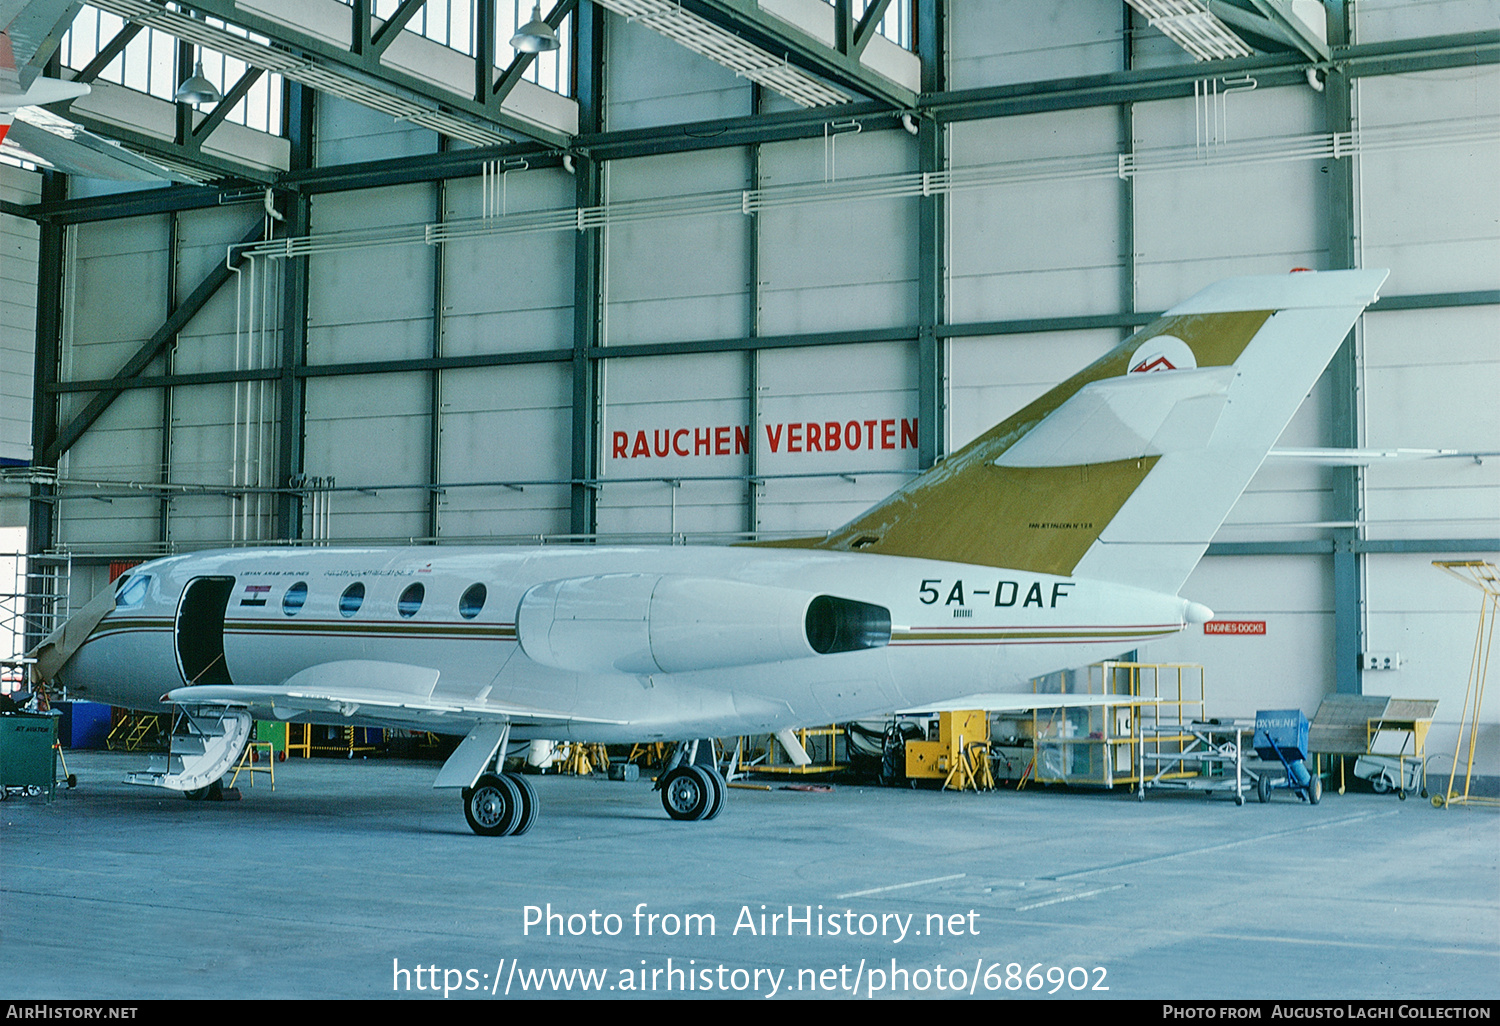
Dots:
pixel 807 436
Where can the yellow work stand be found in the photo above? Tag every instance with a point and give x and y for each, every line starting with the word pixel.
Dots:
pixel 249 759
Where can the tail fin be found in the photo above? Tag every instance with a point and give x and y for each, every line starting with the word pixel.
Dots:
pixel 1125 471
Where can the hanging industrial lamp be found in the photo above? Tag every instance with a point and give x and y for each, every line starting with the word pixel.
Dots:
pixel 536 36
pixel 198 89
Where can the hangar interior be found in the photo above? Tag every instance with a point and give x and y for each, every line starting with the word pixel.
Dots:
pixel 658 286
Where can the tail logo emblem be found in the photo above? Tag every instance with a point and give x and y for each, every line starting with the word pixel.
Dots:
pixel 1162 353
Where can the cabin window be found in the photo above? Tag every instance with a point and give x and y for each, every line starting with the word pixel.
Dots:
pixel 471 602
pixel 132 591
pixel 294 599
pixel 410 600
pixel 352 598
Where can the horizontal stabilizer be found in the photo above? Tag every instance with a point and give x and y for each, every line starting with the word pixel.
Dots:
pixel 1126 418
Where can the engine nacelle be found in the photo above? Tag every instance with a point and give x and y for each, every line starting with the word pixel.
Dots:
pixel 667 623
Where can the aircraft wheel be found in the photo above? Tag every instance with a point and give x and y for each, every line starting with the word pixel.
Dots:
pixel 1263 788
pixel 528 803
pixel 197 794
pixel 716 779
pixel 687 793
pixel 493 806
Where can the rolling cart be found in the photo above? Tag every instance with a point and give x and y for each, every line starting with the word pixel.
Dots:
pixel 1281 736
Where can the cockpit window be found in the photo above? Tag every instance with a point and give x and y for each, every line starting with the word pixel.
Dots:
pixel 352 598
pixel 132 592
pixel 410 600
pixel 472 601
pixel 294 599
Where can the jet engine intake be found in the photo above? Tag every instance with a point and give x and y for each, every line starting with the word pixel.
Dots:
pixel 669 623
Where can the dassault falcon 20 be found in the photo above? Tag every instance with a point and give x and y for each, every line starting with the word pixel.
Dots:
pixel 1059 537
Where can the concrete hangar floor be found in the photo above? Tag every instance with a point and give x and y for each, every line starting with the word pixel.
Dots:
pixel 360 880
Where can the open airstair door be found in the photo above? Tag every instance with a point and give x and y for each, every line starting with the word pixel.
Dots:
pixel 200 630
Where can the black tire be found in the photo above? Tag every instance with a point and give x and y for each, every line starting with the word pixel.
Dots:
pixel 197 794
pixel 73 782
pixel 687 793
pixel 1239 799
pixel 720 789
pixel 1263 788
pixel 492 806
pixel 528 804
pixel 1315 790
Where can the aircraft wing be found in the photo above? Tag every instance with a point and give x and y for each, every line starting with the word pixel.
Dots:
pixel 41 137
pixel 1027 702
pixel 31 29
pixel 396 692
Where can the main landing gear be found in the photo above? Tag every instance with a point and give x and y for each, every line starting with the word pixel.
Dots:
pixel 691 790
pixel 500 805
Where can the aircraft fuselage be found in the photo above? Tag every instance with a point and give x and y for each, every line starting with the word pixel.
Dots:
pixel 258 617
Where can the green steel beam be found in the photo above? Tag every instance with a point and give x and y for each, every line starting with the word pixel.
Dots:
pixel 1343 376
pixel 868 27
pixel 932 233
pixel 300 104
pixel 108 53
pixel 1329 547
pixel 384 36
pixel 237 92
pixel 1436 300
pixel 589 49
pixel 750 343
pixel 513 74
pixel 51 244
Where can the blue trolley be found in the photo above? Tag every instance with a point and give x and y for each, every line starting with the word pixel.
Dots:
pixel 1281 736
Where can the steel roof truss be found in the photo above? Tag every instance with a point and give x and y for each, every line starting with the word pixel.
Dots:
pixel 361 78
pixel 745 19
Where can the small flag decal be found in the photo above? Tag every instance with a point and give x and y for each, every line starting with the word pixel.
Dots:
pixel 255 595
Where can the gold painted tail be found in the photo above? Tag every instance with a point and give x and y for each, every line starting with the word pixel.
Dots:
pixel 1125 471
